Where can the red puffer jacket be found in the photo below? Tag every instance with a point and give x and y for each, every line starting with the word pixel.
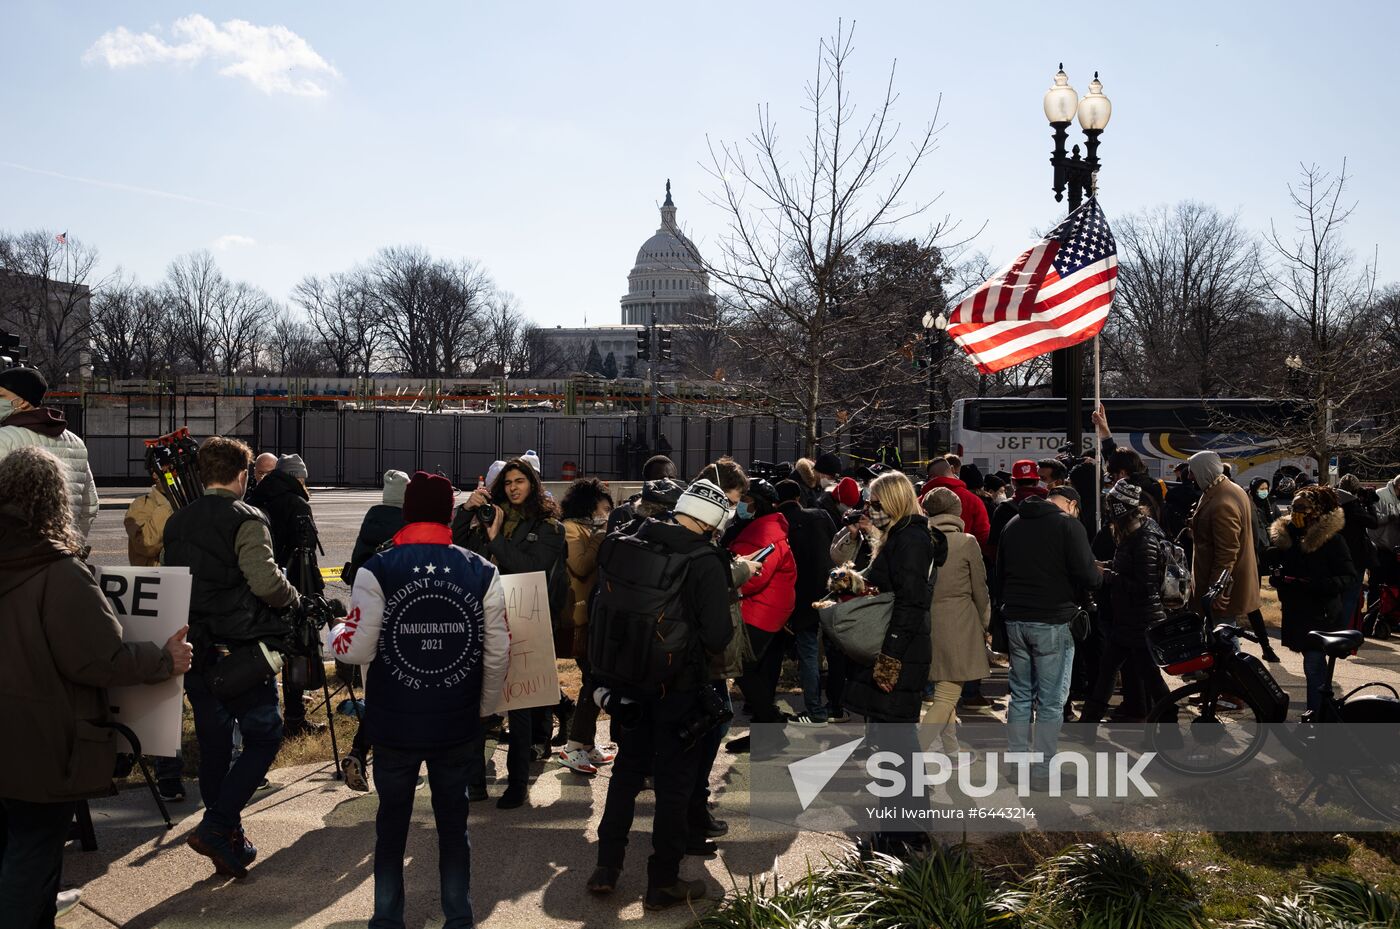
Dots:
pixel 768 599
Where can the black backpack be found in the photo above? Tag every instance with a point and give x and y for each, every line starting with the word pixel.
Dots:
pixel 639 635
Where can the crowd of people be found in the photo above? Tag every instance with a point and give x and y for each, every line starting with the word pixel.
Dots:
pixel 663 600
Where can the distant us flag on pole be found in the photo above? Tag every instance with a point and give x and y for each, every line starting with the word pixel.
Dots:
pixel 1054 295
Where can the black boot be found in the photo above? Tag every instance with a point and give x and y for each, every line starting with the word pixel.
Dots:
pixel 564 712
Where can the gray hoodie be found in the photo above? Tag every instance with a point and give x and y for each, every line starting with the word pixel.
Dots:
pixel 1205 468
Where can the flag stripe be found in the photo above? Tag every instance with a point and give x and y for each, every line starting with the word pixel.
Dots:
pixel 1026 333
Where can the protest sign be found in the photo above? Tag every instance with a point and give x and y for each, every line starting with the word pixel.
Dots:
pixel 151 604
pixel 533 679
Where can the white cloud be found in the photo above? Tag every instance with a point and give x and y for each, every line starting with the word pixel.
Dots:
pixel 225 242
pixel 271 58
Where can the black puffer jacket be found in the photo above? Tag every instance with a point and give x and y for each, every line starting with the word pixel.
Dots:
pixel 1311 569
pixel 900 567
pixel 1044 565
pixel 1265 512
pixel 381 523
pixel 1135 585
pixel 285 502
pixel 1360 517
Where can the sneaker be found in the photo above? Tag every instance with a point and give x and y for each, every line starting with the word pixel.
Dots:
pixel 477 795
pixel 809 721
pixel 353 767
pixel 602 753
pixel 838 717
pixel 663 898
pixel 265 785
pixel 303 727
pixel 66 902
pixel 171 789
pixel 576 760
pixel 739 746
pixel 513 798
pixel 979 702
pixel 603 880
pixel 539 751
pixel 247 850
pixel 228 861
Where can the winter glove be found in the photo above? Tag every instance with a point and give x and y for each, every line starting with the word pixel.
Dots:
pixel 886 672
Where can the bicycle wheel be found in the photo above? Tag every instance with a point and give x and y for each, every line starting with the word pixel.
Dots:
pixel 1201 737
pixel 1369 754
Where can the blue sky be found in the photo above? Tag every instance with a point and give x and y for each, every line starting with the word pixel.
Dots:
pixel 536 138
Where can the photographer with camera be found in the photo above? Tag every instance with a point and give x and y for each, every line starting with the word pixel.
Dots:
pixel 516 526
pixel 236 594
pixel 430 621
pixel 663 595
pixel 281 494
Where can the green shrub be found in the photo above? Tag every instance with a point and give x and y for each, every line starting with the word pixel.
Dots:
pixel 943 888
pixel 809 903
pixel 1106 885
pixel 1354 900
pixel 1296 913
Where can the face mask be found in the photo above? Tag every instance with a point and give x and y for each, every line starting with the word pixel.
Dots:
pixel 1262 494
pixel 599 522
pixel 827 483
pixel 880 519
pixel 743 511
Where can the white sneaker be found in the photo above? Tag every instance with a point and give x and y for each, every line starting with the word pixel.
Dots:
pixel 67 902
pixel 577 761
pixel 603 753
pixel 808 721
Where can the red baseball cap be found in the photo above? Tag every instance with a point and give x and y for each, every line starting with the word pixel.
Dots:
pixel 1025 470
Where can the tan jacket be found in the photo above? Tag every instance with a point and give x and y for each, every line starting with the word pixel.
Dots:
pixel 60 648
pixel 961 609
pixel 145 528
pixel 583 542
pixel 1222 532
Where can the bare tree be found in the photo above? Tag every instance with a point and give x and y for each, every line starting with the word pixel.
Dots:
pixel 45 289
pixel 1188 282
pixel 1324 300
pixel 239 320
pixel 461 290
pixel 403 290
pixel 795 222
pixel 291 348
pixel 195 288
pixel 505 347
pixel 347 325
pixel 129 328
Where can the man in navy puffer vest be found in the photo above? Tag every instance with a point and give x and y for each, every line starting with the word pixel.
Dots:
pixel 429 618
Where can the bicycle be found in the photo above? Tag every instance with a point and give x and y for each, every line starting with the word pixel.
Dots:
pixel 1219 722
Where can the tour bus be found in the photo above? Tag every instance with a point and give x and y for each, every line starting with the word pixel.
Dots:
pixel 994 432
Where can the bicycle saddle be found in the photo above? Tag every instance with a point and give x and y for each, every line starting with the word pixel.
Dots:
pixel 1336 644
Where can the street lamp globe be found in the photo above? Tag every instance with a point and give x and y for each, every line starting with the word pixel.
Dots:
pixel 1061 99
pixel 1094 109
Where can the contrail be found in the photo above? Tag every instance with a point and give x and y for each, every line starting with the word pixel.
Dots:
pixel 130 188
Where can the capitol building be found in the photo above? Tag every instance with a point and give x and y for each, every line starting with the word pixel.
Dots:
pixel 668 279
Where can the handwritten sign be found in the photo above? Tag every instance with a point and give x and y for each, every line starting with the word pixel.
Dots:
pixel 151 604
pixel 532 679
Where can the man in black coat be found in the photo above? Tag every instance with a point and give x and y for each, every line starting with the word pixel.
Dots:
pixel 1044 566
pixel 282 495
pixel 810 532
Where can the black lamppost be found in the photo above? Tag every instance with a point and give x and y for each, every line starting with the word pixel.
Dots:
pixel 1078 175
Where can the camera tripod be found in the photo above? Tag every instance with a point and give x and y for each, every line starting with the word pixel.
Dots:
pixel 314 613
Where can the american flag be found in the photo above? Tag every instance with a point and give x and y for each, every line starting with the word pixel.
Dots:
pixel 1054 295
pixel 61 238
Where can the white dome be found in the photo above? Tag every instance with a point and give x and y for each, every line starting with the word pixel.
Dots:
pixel 667 250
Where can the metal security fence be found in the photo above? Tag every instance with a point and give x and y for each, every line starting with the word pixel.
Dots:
pixel 355 447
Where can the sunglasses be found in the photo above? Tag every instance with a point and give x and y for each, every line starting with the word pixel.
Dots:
pixel 875 505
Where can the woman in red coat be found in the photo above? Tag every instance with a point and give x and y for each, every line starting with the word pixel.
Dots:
pixel 766 601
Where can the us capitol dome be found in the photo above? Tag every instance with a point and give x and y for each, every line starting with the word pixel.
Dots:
pixel 668 276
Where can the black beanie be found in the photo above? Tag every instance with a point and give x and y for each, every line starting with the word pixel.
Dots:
pixel 788 490
pixel 971 475
pixel 827 463
pixel 26 383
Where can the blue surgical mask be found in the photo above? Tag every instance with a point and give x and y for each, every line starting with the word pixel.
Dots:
pixel 1262 494
pixel 743 511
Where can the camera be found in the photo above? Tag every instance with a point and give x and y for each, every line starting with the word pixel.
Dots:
pixel 485 514
pixel 710 712
pixel 853 515
pixel 626 713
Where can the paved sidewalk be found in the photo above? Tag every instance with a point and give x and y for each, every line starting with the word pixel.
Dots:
pixel 316 841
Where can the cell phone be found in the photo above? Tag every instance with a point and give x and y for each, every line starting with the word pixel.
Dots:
pixel 762 553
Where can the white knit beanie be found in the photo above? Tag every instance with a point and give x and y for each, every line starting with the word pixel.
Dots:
pixel 704 502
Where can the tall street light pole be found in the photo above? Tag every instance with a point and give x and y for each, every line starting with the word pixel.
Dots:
pixel 1076 175
pixel 652 350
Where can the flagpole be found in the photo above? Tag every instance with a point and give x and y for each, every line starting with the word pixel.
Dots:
pixel 1098 453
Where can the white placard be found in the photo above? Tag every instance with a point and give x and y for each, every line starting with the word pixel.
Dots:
pixel 532 679
pixel 151 604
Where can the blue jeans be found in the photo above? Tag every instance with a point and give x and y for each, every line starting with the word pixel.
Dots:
pixel 809 671
pixel 1351 597
pixel 395 778
pixel 226 788
pixel 1315 675
pixel 31 860
pixel 1042 659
